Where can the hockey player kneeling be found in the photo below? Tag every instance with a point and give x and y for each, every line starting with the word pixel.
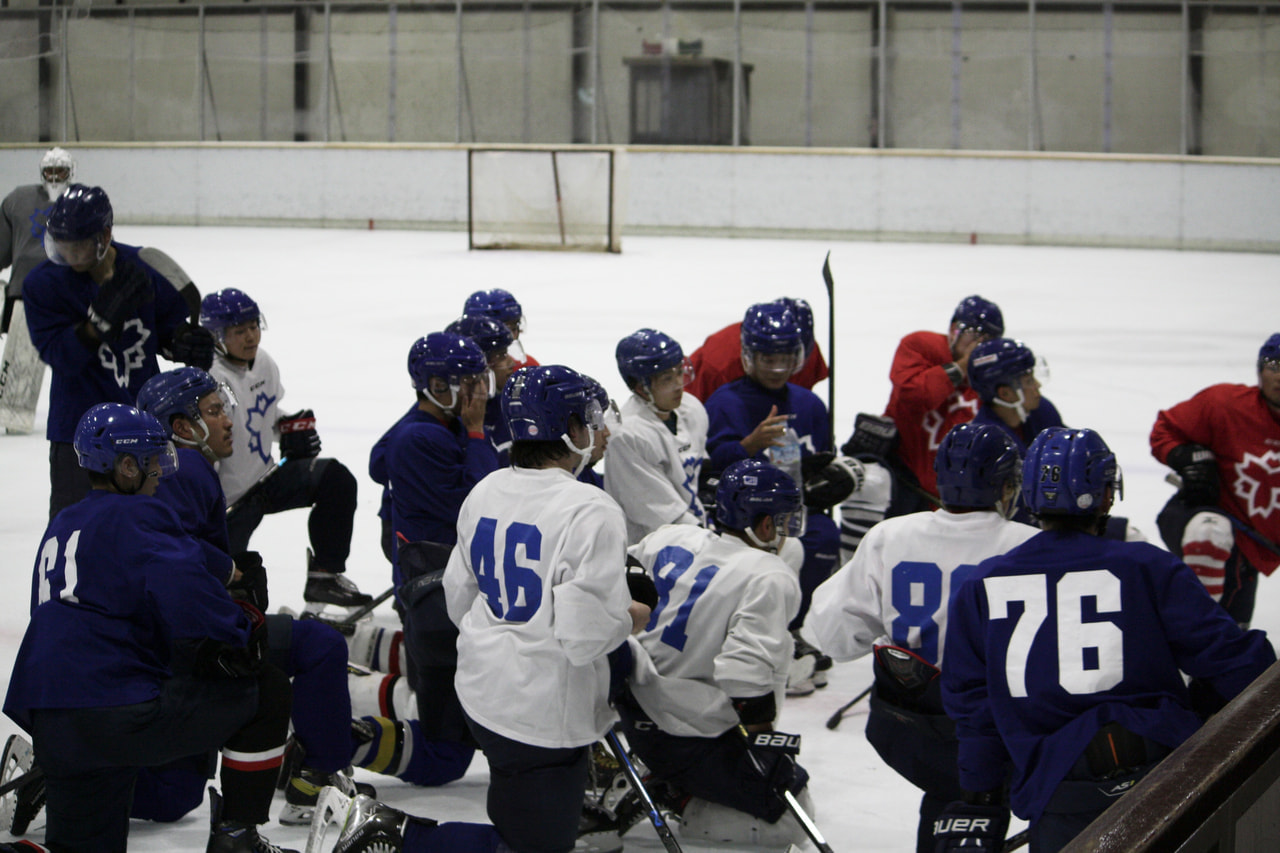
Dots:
pixel 713 660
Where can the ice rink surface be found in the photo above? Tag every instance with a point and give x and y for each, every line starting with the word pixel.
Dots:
pixel 1125 332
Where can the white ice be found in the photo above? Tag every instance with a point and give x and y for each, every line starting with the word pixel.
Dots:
pixel 1126 332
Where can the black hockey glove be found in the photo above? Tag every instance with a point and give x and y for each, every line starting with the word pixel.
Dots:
pixel 191 345
pixel 971 826
pixel 252 585
pixel 756 710
pixel 641 586
pixel 830 479
pixel 298 436
pixel 118 299
pixel 873 435
pixel 772 755
pixel 215 659
pixel 1198 468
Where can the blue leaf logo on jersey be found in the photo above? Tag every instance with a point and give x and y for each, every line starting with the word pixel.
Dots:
pixel 38 222
pixel 131 358
pixel 692 465
pixel 261 405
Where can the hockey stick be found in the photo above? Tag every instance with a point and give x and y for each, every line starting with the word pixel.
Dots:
pixel 365 609
pixel 660 824
pixel 831 344
pixel 834 719
pixel 1174 480
pixel 253 490
pixel 177 276
pixel 1016 842
pixel 806 822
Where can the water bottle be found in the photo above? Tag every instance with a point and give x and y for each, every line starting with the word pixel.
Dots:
pixel 786 455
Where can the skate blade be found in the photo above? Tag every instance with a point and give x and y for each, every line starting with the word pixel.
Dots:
pixel 332 808
pixel 16 761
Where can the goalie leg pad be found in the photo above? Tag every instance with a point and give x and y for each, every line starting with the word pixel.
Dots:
pixel 1207 542
pixel 865 508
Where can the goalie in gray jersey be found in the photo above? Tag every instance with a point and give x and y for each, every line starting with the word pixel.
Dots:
pixel 713 661
pixel 655 456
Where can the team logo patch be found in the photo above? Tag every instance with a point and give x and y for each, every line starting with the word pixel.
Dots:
pixel 1258 483
pixel 1118 788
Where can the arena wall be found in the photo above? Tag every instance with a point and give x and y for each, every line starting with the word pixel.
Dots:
pixel 1028 198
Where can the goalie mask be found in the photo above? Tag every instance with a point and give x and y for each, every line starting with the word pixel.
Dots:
pixel 57 171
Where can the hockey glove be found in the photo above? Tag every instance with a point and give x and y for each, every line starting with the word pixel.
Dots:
pixel 833 482
pixel 642 587
pixel 216 659
pixel 298 436
pixel 756 710
pixel 967 826
pixel 252 585
pixel 872 435
pixel 118 299
pixel 1198 468
pixel 771 755
pixel 191 345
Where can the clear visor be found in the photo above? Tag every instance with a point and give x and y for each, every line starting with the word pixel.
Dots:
pixel 775 363
pixel 1041 370
pixel 593 416
pixel 224 403
pixel 160 463
pixel 1118 483
pixel 1271 364
pixel 74 253
pixel 477 383
pixel 612 417
pixel 680 376
pixel 791 524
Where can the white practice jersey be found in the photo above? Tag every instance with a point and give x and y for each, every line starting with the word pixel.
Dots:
pixel 537 587
pixel 719 630
pixel 897 587
pixel 653 474
pixel 258 393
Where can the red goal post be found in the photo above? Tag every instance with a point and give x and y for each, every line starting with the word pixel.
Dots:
pixel 546 197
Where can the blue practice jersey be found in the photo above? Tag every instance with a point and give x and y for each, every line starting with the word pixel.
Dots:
pixel 735 409
pixel 117 582
pixel 57 300
pixel 1038 419
pixel 1067 632
pixel 495 426
pixel 431 468
pixel 195 493
pixel 378 458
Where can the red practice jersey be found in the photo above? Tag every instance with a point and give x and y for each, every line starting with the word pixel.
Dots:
pixel 924 405
pixel 1235 422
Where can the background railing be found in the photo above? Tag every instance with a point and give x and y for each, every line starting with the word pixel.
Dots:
pixel 1175 77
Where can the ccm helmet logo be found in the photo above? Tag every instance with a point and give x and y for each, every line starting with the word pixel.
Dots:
pixel 126 441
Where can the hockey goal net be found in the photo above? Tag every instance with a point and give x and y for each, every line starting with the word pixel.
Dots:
pixel 545 198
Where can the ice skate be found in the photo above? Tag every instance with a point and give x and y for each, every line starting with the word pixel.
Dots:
pixel 303 790
pixel 231 837
pixel 366 825
pixel 19 807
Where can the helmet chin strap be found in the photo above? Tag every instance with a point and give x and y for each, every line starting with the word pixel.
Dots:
pixel 771 546
pixel 584 455
pixel 648 401
pixel 450 409
pixel 200 442
pixel 1017 405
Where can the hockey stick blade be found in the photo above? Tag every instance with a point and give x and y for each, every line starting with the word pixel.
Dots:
pixel 365 609
pixel 660 824
pixel 835 718
pixel 253 490
pixel 332 807
pixel 1174 480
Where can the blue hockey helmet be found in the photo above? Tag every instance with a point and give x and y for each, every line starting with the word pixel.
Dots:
pixel 496 303
pixel 979 315
pixel 1000 361
pixel 79 213
pixel 111 430
pixel 973 464
pixel 750 488
pixel 539 401
pixel 226 308
pixel 1068 472
pixel 1270 351
pixel 176 392
pixel 772 329
pixel 446 356
pixel 647 352
pixel 489 334
pixel 804 314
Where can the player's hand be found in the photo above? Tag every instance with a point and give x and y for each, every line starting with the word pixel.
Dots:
pixel 472 398
pixel 298 436
pixel 118 299
pixel 191 345
pixel 639 616
pixel 967 827
pixel 767 433
pixel 967 341
pixel 250 580
pixel 1198 468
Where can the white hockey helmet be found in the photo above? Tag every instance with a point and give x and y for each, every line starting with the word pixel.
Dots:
pixel 57 170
